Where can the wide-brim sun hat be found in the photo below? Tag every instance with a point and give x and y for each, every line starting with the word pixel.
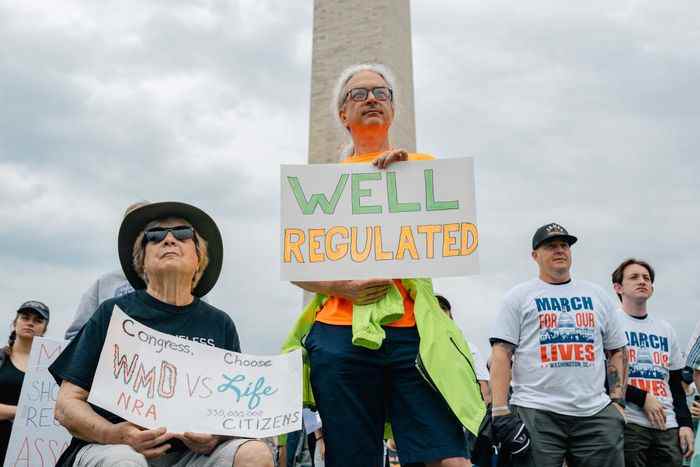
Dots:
pixel 135 221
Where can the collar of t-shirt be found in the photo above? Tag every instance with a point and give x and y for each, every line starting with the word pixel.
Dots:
pixel 151 301
pixel 557 283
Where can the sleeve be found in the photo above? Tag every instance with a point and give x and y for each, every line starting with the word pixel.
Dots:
pixel 78 361
pixel 635 395
pixel 232 341
pixel 87 306
pixel 675 356
pixel 613 332
pixel 680 405
pixel 693 359
pixel 507 325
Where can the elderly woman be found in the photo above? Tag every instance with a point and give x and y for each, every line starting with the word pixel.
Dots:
pixel 32 320
pixel 171 253
pixel 357 388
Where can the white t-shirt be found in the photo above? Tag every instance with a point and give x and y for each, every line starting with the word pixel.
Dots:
pixel 482 373
pixel 653 350
pixel 560 333
pixel 693 353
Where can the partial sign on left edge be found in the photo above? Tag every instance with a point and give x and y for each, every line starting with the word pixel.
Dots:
pixel 37 440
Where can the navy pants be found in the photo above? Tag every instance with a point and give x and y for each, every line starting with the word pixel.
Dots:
pixel 357 389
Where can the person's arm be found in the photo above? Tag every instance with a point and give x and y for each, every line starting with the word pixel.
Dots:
pixel 680 404
pixel 75 414
pixel 7 412
pixel 649 403
pixel 320 443
pixel 500 376
pixel 485 391
pixel 617 372
pixel 360 292
pixel 680 408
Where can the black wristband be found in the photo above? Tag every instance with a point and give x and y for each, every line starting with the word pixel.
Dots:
pixel 619 401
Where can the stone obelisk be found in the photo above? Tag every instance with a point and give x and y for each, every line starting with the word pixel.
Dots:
pixel 348 32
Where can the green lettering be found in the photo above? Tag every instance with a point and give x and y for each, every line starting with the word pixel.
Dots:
pixel 317 199
pixel 393 197
pixel 430 203
pixel 358 193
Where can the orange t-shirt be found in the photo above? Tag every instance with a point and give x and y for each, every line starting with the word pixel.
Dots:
pixel 338 310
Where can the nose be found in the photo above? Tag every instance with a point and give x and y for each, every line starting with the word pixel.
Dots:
pixel 169 239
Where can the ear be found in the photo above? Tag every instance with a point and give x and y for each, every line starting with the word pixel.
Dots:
pixel 343 116
pixel 617 288
pixel 534 254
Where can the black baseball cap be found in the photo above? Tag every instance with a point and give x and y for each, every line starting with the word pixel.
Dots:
pixel 36 307
pixel 551 231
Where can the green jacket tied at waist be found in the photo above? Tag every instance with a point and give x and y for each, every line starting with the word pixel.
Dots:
pixel 444 358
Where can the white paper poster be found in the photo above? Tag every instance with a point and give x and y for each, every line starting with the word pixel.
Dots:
pixel 37 440
pixel 155 380
pixel 353 221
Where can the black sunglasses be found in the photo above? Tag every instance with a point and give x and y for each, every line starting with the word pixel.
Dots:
pixel 158 234
pixel 381 93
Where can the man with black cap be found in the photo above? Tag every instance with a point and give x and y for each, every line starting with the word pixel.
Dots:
pixel 171 253
pixel 557 333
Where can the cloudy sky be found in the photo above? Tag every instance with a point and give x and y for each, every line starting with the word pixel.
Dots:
pixel 585 113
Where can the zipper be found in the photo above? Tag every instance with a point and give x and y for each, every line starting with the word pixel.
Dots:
pixel 424 373
pixel 467 360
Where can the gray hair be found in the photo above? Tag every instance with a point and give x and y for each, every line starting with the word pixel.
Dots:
pixel 339 96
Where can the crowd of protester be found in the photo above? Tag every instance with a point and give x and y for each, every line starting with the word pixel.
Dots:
pixel 574 377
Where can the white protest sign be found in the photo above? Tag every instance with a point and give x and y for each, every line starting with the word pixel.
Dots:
pixel 353 221
pixel 154 379
pixel 37 440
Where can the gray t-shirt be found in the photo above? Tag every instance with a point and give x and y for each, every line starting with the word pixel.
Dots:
pixel 560 333
pixel 110 285
pixel 653 350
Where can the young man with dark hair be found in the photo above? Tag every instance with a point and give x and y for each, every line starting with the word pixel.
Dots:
pixel 659 427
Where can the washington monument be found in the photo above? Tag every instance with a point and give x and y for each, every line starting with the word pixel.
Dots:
pixel 348 32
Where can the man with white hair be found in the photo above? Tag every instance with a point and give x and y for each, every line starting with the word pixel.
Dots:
pixel 358 384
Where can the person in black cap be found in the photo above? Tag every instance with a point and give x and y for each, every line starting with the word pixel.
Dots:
pixel 32 320
pixel 171 253
pixel 557 333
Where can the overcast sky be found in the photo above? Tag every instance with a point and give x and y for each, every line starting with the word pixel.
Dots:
pixel 582 113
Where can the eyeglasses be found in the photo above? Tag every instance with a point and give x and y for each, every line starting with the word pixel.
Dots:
pixel 158 234
pixel 381 93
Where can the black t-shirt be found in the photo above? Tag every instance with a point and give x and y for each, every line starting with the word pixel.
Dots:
pixel 10 386
pixel 197 321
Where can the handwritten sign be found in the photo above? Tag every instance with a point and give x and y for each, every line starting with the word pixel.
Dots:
pixel 353 221
pixel 37 440
pixel 154 379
